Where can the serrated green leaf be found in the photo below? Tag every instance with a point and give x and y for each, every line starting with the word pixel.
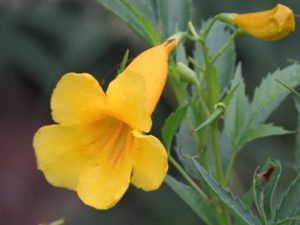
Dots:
pixel 270 93
pixel 248 200
pixel 265 182
pixel 297 152
pixel 186 146
pixel 262 130
pixel 193 200
pixel 152 33
pixel 171 125
pixel 227 197
pixel 173 15
pixel 134 18
pixel 294 92
pixel 148 8
pixel 152 19
pixel 237 113
pixel 289 206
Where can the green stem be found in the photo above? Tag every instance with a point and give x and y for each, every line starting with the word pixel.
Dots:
pixel 230 166
pixel 219 168
pixel 210 25
pixel 201 99
pixel 206 111
pixel 213 95
pixel 212 118
pixel 195 64
pixel 217 152
pixel 226 45
pixel 196 36
pixel 226 214
pixel 187 178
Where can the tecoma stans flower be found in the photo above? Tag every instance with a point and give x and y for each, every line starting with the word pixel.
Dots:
pixel 98 146
pixel 269 25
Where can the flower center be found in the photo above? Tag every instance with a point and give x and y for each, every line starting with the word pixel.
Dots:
pixel 110 139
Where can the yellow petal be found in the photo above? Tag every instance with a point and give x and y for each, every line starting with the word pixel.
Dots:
pixel 77 99
pixel 106 178
pixel 150 162
pixel 268 25
pixel 152 65
pixel 126 95
pixel 59 154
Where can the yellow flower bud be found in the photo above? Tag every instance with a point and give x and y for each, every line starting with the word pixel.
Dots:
pixel 269 25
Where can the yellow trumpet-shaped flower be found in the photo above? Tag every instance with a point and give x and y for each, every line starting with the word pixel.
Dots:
pixel 269 25
pixel 98 147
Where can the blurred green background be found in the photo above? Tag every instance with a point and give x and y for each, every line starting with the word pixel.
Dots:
pixel 40 40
